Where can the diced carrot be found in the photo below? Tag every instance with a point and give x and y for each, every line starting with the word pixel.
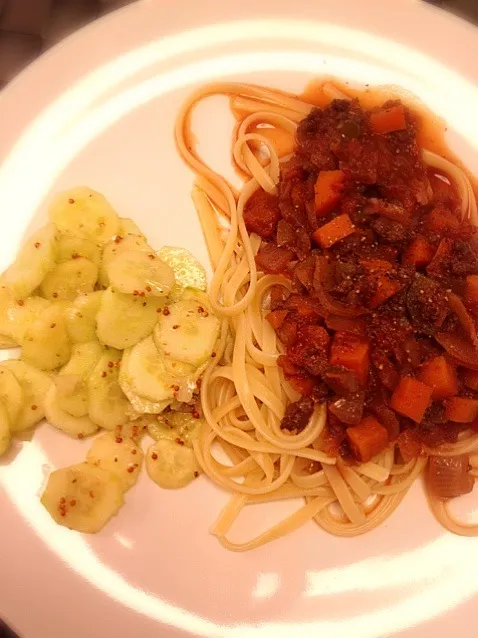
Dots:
pixel 418 254
pixel 376 266
pixel 386 288
pixel 276 318
pixel 441 376
pixel 470 378
pixel 367 439
pixel 461 410
pixel 471 290
pixel 389 120
pixel 302 384
pixel 441 221
pixel 411 398
pixel 339 228
pixel 352 352
pixel 328 191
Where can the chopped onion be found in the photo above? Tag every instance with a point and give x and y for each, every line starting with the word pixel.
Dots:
pixel 464 317
pixel 449 477
pixel 459 348
pixel 330 305
pixel 186 390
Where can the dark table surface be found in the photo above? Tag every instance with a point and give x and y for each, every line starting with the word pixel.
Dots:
pixel 467 9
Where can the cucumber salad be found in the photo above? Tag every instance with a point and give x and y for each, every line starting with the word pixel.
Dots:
pixel 114 338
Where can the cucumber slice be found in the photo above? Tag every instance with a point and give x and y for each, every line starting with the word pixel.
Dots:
pixel 73 247
pixel 74 426
pixel 129 227
pixel 71 394
pixel 82 212
pixel 71 380
pixel 107 404
pixel 69 279
pixel 46 344
pixel 119 455
pixel 17 316
pixel 35 385
pixel 7 342
pixel 188 333
pixel 5 436
pixel 134 272
pixel 82 497
pixel 81 317
pixel 146 372
pixel 170 464
pixel 188 272
pixel 139 404
pixel 119 245
pixel 123 320
pixel 11 394
pixel 84 357
pixel 174 426
pixel 34 261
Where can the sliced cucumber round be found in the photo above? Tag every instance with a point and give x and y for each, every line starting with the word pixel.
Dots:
pixel 123 320
pixel 146 372
pixel 71 380
pixel 11 394
pixel 139 404
pixel 7 342
pixel 16 316
pixel 5 436
pixel 69 279
pixel 34 261
pixel 35 385
pixel 119 455
pixel 118 246
pixel 108 407
pixel 78 427
pixel 188 333
pixel 83 212
pixel 82 497
pixel 137 272
pixel 129 227
pixel 188 272
pixel 46 344
pixel 73 247
pixel 81 317
pixel 170 464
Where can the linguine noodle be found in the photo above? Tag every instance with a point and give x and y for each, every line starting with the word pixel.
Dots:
pixel 244 393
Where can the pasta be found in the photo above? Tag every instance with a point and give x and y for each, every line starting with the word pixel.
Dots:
pixel 244 393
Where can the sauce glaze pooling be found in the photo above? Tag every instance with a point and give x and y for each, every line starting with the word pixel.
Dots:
pixel 385 282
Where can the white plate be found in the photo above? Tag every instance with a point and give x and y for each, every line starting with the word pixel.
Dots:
pixel 99 109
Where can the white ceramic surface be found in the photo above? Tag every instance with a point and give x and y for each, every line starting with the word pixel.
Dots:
pixel 99 109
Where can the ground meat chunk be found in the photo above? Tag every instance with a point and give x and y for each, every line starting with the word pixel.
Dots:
pixel 261 214
pixel 464 260
pixel 427 304
pixel 297 415
pixel 389 230
pixel 273 259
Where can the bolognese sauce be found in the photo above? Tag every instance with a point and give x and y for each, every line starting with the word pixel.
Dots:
pixel 380 320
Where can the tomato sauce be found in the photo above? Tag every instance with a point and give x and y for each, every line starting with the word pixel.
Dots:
pixel 384 276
